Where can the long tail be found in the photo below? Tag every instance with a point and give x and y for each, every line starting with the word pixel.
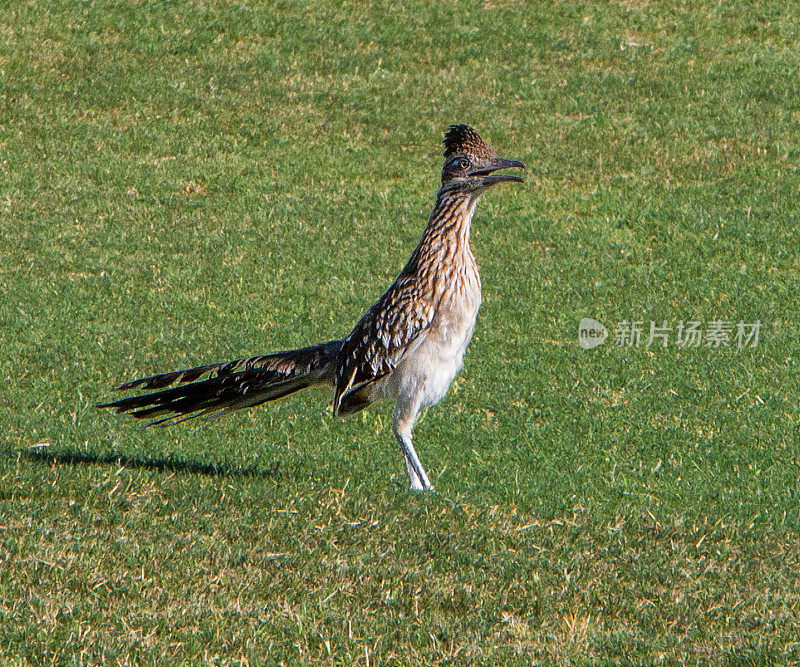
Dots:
pixel 231 385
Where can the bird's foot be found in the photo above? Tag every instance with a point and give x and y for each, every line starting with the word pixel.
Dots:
pixel 419 482
pixel 416 486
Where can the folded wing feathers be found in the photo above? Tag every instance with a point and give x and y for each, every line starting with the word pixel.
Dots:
pixel 381 338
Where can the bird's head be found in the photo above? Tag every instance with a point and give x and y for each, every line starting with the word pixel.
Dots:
pixel 470 163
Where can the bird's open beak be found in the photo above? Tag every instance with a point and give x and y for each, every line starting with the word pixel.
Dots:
pixel 490 178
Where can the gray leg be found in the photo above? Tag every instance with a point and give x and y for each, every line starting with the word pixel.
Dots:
pixel 405 414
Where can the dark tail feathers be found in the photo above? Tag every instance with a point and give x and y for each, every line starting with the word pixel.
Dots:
pixel 231 385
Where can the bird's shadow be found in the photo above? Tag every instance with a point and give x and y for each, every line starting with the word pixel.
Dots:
pixel 169 464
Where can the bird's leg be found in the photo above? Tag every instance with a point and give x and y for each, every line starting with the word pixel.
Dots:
pixel 405 414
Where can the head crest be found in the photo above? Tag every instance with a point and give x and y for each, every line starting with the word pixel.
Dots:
pixel 464 139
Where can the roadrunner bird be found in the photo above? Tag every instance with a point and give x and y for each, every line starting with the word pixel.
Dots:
pixel 408 346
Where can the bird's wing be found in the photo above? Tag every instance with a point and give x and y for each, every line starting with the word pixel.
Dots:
pixel 379 341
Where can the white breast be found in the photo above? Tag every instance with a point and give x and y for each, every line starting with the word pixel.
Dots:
pixel 430 366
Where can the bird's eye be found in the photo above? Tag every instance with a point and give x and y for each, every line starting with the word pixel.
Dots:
pixel 462 163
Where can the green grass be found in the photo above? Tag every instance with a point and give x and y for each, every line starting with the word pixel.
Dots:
pixel 190 182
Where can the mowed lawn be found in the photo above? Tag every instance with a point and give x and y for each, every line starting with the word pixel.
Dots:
pixel 186 182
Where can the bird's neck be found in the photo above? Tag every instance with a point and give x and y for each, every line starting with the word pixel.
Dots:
pixel 444 246
pixel 450 222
